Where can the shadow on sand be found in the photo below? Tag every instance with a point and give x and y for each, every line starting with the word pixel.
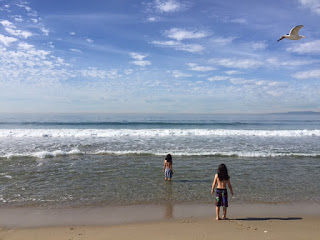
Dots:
pixel 267 218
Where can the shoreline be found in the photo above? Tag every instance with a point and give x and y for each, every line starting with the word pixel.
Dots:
pixel 38 217
pixel 259 221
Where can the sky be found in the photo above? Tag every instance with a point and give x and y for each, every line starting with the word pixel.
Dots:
pixel 158 56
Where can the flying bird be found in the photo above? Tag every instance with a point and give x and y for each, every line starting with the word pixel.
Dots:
pixel 294 34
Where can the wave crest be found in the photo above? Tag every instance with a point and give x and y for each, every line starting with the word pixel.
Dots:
pixel 57 153
pixel 105 133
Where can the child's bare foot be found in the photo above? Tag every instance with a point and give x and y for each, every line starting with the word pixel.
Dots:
pixel 217 218
pixel 224 217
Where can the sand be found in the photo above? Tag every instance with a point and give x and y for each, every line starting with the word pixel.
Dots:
pixel 179 222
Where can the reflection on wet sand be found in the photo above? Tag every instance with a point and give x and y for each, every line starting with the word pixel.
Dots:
pixel 168 213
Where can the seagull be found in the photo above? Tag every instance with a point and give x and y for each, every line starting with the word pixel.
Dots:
pixel 294 34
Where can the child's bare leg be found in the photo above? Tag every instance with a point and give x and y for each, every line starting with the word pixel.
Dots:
pixel 224 216
pixel 217 213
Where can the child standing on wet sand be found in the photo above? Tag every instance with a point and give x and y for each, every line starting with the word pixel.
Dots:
pixel 221 179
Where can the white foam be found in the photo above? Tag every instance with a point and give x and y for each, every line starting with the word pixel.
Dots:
pixel 248 154
pixel 6 175
pixel 2 199
pixel 214 153
pixel 43 154
pixel 114 133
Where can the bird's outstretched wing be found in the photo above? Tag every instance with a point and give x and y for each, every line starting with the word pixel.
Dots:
pixel 295 30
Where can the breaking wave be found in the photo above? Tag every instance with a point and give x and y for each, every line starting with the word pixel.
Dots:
pixel 105 133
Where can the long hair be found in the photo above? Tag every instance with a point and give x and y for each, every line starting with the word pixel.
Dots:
pixel 168 158
pixel 223 172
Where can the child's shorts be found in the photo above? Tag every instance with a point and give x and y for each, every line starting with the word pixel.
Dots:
pixel 168 173
pixel 221 197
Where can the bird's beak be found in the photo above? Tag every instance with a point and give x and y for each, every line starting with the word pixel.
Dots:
pixel 282 37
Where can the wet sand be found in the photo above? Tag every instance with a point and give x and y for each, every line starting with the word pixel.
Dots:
pixel 257 221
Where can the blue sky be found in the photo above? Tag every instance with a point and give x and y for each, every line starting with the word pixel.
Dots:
pixel 158 56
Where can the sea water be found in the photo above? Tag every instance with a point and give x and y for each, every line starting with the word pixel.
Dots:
pixel 117 159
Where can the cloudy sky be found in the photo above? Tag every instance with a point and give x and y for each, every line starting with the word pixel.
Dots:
pixel 159 56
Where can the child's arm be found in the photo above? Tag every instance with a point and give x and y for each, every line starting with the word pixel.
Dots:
pixel 230 187
pixel 214 183
pixel 164 165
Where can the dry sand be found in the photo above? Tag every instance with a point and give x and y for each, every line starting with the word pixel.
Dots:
pixel 177 222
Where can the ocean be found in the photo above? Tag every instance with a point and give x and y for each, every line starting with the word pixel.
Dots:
pixel 81 160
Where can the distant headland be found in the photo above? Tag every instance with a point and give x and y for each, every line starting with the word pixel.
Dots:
pixel 300 113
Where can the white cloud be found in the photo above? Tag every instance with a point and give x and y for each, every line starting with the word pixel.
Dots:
pixel 196 67
pixel 237 63
pixel 258 45
pixel 238 20
pixel 72 33
pixel 276 62
pixel 25 46
pixel 232 20
pixel 312 47
pixel 193 48
pixel 18 33
pixel 18 18
pixel 28 65
pixel 25 6
pixel 168 6
pixel 75 50
pixel 45 31
pixel 139 59
pixel 94 73
pixel 312 74
pixel 11 28
pixel 255 82
pixel 240 81
pixel 179 74
pixel 7 40
pixel 313 5
pixel 182 34
pixel 7 24
pixel 166 43
pixel 152 19
pixel 138 56
pixel 128 71
pixel 218 78
pixel 51 44
pixel 141 63
pixel 222 41
pixel 89 40
pixel 232 72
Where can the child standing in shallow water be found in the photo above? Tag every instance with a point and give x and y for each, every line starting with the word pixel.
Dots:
pixel 221 179
pixel 167 168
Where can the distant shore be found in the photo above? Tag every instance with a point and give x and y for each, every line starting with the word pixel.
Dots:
pixel 251 221
pixel 299 113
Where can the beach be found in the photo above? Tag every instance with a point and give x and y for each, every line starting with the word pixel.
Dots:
pixel 285 221
pixel 100 176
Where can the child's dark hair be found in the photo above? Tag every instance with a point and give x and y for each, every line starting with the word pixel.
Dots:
pixel 223 172
pixel 169 158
